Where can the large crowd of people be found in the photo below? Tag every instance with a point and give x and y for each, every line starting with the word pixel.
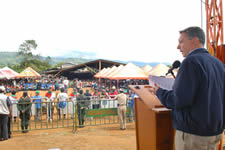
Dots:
pixel 44 83
pixel 57 99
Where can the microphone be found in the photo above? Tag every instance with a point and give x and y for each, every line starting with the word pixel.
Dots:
pixel 175 65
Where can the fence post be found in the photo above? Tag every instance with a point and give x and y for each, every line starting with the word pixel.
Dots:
pixel 74 117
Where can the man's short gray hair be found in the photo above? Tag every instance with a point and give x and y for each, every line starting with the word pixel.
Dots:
pixel 195 32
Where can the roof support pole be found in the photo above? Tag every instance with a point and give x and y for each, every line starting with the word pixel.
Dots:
pixel 110 85
pixel 100 68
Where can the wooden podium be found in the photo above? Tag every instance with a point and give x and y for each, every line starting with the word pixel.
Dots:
pixel 154 129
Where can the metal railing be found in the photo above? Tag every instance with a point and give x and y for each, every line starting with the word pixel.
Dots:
pixel 65 114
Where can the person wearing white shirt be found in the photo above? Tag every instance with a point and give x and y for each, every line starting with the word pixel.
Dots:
pixel 5 112
pixel 66 83
pixel 62 98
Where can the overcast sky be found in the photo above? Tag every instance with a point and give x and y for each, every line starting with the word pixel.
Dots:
pixel 141 30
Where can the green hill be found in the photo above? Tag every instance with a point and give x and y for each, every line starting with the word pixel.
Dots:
pixel 12 58
pixel 9 58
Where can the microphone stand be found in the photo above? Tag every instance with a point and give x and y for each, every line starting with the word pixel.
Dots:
pixel 173 74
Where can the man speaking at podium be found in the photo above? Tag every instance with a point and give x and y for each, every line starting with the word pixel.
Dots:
pixel 197 98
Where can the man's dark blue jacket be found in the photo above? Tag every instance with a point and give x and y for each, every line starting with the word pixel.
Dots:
pixel 197 98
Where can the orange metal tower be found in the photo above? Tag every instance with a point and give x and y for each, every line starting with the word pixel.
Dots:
pixel 215 45
pixel 214 16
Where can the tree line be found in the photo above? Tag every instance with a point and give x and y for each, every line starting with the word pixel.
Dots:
pixel 29 59
pixel 25 57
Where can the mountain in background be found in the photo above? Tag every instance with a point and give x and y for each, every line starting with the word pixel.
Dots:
pixel 75 57
pixel 8 58
pixel 142 64
pixel 77 54
pixel 12 58
pixel 92 56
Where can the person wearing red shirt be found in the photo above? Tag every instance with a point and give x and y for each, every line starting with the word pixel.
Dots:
pixel 71 104
pixel 50 98
pixel 74 93
pixel 96 93
pixel 112 94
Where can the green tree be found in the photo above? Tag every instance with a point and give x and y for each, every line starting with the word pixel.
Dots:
pixel 25 50
pixel 58 64
pixel 38 65
pixel 48 59
pixel 30 60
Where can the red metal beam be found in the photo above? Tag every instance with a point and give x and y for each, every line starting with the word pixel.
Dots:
pixel 214 18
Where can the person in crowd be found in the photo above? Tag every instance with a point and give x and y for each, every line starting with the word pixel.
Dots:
pixel 5 113
pixel 74 83
pixel 96 93
pixel 94 85
pixel 96 99
pixel 14 101
pixel 74 93
pixel 79 84
pixel 14 83
pixel 104 94
pixel 26 87
pixel 66 83
pixel 87 93
pixel 131 106
pixel 113 92
pixel 82 105
pixel 62 98
pixel 197 97
pixel 72 98
pixel 126 91
pixel 122 108
pixel 71 84
pixel 57 84
pixel 24 107
pixel 50 99
pixel 89 100
pixel 37 99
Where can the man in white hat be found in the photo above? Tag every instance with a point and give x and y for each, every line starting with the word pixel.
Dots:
pixel 122 108
pixel 5 111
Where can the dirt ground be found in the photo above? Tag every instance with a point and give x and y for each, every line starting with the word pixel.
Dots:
pixel 103 137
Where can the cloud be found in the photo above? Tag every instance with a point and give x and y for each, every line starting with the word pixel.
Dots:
pixel 140 30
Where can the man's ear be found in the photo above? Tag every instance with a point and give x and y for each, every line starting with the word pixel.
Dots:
pixel 195 40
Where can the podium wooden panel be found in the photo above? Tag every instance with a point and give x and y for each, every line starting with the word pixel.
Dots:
pixel 154 129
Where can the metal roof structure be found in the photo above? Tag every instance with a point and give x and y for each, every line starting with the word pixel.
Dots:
pixel 92 66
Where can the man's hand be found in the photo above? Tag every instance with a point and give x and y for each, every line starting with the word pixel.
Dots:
pixel 154 89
